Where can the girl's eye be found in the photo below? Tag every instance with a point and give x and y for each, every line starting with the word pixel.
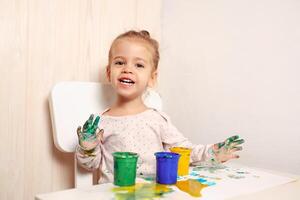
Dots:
pixel 119 63
pixel 140 65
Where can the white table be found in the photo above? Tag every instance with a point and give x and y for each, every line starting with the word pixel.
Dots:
pixel 234 182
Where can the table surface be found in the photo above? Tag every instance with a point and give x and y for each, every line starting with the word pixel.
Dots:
pixel 285 188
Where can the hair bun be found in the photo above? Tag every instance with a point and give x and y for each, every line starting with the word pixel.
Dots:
pixel 145 33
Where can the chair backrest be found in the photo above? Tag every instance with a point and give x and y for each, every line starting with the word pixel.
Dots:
pixel 71 103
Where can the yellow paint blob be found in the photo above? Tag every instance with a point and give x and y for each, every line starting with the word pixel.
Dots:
pixel 143 191
pixel 190 186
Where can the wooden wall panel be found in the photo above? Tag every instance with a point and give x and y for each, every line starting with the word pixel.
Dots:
pixel 13 65
pixel 44 42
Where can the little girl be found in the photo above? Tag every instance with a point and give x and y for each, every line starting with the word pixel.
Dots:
pixel 131 126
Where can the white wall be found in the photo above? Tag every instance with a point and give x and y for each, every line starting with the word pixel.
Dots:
pixel 233 67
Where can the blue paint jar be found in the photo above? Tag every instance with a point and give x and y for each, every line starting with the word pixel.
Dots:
pixel 166 167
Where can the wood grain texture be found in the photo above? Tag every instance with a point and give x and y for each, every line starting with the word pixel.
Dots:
pixel 44 42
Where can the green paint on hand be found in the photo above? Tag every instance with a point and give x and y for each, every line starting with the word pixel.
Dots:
pixel 89 128
pixel 231 142
pixel 237 142
pixel 96 121
pixel 221 144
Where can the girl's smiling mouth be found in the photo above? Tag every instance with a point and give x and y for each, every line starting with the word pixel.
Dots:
pixel 126 81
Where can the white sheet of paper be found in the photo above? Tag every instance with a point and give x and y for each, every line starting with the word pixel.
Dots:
pixel 235 181
pixel 229 182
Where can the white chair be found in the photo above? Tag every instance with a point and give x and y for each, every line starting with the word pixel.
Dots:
pixel 71 103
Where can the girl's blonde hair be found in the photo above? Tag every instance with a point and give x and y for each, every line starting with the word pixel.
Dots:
pixel 139 35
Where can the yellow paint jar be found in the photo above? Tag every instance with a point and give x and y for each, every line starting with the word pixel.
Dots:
pixel 184 160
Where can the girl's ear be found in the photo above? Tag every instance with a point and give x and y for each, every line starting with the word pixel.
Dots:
pixel 108 73
pixel 153 79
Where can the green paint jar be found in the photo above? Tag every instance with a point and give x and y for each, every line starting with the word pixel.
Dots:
pixel 125 168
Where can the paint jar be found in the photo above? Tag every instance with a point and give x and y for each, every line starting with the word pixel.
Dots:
pixel 125 168
pixel 184 160
pixel 166 167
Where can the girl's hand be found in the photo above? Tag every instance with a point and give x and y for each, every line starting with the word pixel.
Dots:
pixel 90 135
pixel 224 151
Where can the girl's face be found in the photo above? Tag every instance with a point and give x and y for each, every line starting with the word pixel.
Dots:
pixel 131 68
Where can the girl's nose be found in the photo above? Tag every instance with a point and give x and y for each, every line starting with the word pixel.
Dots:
pixel 127 69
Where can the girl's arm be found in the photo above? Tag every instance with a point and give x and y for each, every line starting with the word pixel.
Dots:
pixel 219 152
pixel 171 137
pixel 89 160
